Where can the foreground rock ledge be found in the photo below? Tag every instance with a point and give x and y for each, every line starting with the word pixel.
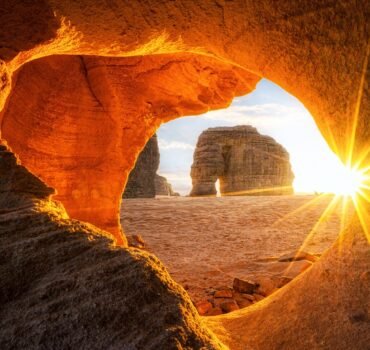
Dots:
pixel 64 285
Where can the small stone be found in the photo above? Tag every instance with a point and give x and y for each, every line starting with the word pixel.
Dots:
pixel 225 293
pixel 266 285
pixel 248 297
pixel 243 286
pixel 228 306
pixel 258 297
pixel 214 312
pixel 218 301
pixel 203 307
pixel 244 303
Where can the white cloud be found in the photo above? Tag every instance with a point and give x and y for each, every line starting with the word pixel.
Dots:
pixel 266 115
pixel 165 145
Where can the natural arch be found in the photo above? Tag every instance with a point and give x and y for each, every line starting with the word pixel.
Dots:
pixel 206 52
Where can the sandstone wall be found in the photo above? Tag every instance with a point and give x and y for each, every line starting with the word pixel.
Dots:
pixel 144 182
pixel 141 181
pixel 63 285
pixel 245 162
pixel 79 122
pixel 89 117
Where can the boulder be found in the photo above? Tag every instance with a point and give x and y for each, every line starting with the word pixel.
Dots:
pixel 229 305
pixel 215 311
pixel 223 293
pixel 243 286
pixel 203 307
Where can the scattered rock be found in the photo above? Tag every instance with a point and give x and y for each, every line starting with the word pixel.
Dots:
pixel 218 301
pixel 203 307
pixel 258 297
pixel 228 306
pixel 266 285
pixel 248 297
pixel 243 286
pixel 244 303
pixel 224 293
pixel 214 311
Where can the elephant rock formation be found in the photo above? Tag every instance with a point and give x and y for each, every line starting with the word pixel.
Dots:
pixel 245 162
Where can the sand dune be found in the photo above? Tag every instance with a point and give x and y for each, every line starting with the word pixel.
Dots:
pixel 206 242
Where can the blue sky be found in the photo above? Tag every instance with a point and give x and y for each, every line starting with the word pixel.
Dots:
pixel 273 112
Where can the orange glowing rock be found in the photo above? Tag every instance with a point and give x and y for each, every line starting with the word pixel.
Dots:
pixel 79 122
pixel 91 116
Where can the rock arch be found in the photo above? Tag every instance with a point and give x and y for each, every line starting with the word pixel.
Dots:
pixel 210 51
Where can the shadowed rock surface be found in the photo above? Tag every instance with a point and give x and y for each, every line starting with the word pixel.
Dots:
pixel 79 122
pixel 245 162
pixel 144 182
pixel 64 285
pixel 141 182
pixel 163 187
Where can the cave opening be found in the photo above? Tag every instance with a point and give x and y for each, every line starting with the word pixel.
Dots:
pixel 90 188
pixel 266 232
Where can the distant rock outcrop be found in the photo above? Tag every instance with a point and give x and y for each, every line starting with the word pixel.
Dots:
pixel 163 187
pixel 144 182
pixel 245 162
pixel 140 183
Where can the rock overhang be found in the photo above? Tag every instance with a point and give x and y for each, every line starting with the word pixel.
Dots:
pixel 316 51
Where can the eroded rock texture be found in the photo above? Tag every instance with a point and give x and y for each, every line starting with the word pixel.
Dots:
pixel 163 187
pixel 141 182
pixel 88 118
pixel 79 122
pixel 245 162
pixel 64 285
pixel 144 182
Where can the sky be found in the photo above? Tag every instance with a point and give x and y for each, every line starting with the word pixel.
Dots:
pixel 273 112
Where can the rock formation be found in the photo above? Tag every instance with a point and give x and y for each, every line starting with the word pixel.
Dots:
pixel 83 86
pixel 245 162
pixel 63 284
pixel 144 182
pixel 141 182
pixel 163 187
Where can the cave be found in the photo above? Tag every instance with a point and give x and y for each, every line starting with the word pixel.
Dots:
pixel 83 86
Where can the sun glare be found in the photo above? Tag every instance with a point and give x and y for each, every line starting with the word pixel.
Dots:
pixel 348 182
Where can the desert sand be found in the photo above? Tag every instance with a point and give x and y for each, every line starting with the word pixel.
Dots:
pixel 206 242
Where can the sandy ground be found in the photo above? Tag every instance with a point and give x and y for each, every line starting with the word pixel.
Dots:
pixel 206 242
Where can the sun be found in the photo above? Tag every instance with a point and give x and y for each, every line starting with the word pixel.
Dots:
pixel 349 181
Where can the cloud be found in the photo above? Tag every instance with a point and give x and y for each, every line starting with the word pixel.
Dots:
pixel 266 115
pixel 166 145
